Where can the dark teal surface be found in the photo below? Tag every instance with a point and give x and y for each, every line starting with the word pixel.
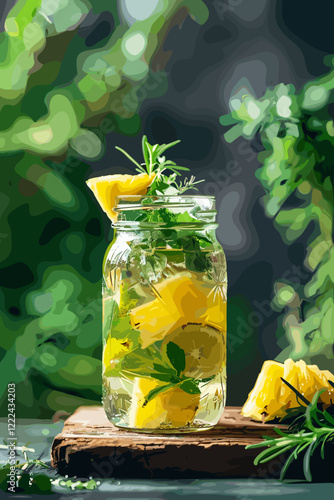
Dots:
pixel 39 434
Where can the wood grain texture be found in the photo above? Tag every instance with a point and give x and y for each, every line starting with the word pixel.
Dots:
pixel 90 445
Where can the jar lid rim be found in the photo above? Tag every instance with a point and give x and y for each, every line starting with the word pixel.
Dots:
pixel 157 196
pixel 147 202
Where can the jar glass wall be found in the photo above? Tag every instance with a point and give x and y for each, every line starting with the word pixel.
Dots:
pixel 164 316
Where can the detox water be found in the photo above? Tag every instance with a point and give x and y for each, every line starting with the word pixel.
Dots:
pixel 164 316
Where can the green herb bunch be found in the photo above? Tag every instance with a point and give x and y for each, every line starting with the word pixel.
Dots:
pixel 155 162
pixel 140 362
pixel 296 130
pixel 165 183
pixel 172 375
pixel 310 428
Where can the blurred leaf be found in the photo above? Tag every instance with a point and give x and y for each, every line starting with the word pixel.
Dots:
pixel 296 131
pixel 64 86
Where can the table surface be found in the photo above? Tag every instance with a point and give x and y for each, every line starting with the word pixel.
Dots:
pixel 89 439
pixel 40 433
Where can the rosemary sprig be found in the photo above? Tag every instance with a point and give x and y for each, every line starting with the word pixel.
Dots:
pixel 155 162
pixel 298 394
pixel 310 428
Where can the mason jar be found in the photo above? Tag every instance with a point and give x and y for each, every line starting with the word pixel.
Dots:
pixel 164 316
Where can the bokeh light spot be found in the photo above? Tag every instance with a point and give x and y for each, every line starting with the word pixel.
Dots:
pixel 56 189
pixel 82 367
pixel 283 106
pixel 134 45
pixel 43 303
pixel 48 359
pixel 253 110
pixel 41 135
pixel 74 243
pixel 139 11
pixel 87 144
pixel 11 27
pixel 136 70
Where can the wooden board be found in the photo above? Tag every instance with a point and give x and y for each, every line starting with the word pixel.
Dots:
pixel 90 445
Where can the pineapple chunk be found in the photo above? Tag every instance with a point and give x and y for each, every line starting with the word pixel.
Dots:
pixel 271 397
pixel 179 300
pixel 172 408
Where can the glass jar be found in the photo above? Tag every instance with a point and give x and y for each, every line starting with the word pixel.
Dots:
pixel 164 316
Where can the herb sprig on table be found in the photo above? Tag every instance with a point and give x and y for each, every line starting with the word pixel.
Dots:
pixel 37 477
pixel 310 428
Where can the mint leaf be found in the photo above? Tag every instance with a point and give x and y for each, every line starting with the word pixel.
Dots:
pixel 190 386
pixel 162 368
pixel 203 240
pixel 176 356
pixel 189 243
pixel 208 379
pixel 160 215
pixel 197 261
pixel 140 361
pixel 164 377
pixel 157 390
pixel 165 373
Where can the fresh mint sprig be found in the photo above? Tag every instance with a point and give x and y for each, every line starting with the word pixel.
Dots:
pixel 170 373
pixel 173 376
pixel 155 162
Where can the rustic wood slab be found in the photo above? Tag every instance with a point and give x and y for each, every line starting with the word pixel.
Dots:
pixel 90 445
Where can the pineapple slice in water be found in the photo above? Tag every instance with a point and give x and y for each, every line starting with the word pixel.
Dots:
pixel 172 408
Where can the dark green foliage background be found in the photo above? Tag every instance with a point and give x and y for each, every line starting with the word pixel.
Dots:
pixel 52 238
pixel 70 92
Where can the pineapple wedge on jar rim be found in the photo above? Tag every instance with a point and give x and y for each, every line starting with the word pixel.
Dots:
pixel 271 397
pixel 106 188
